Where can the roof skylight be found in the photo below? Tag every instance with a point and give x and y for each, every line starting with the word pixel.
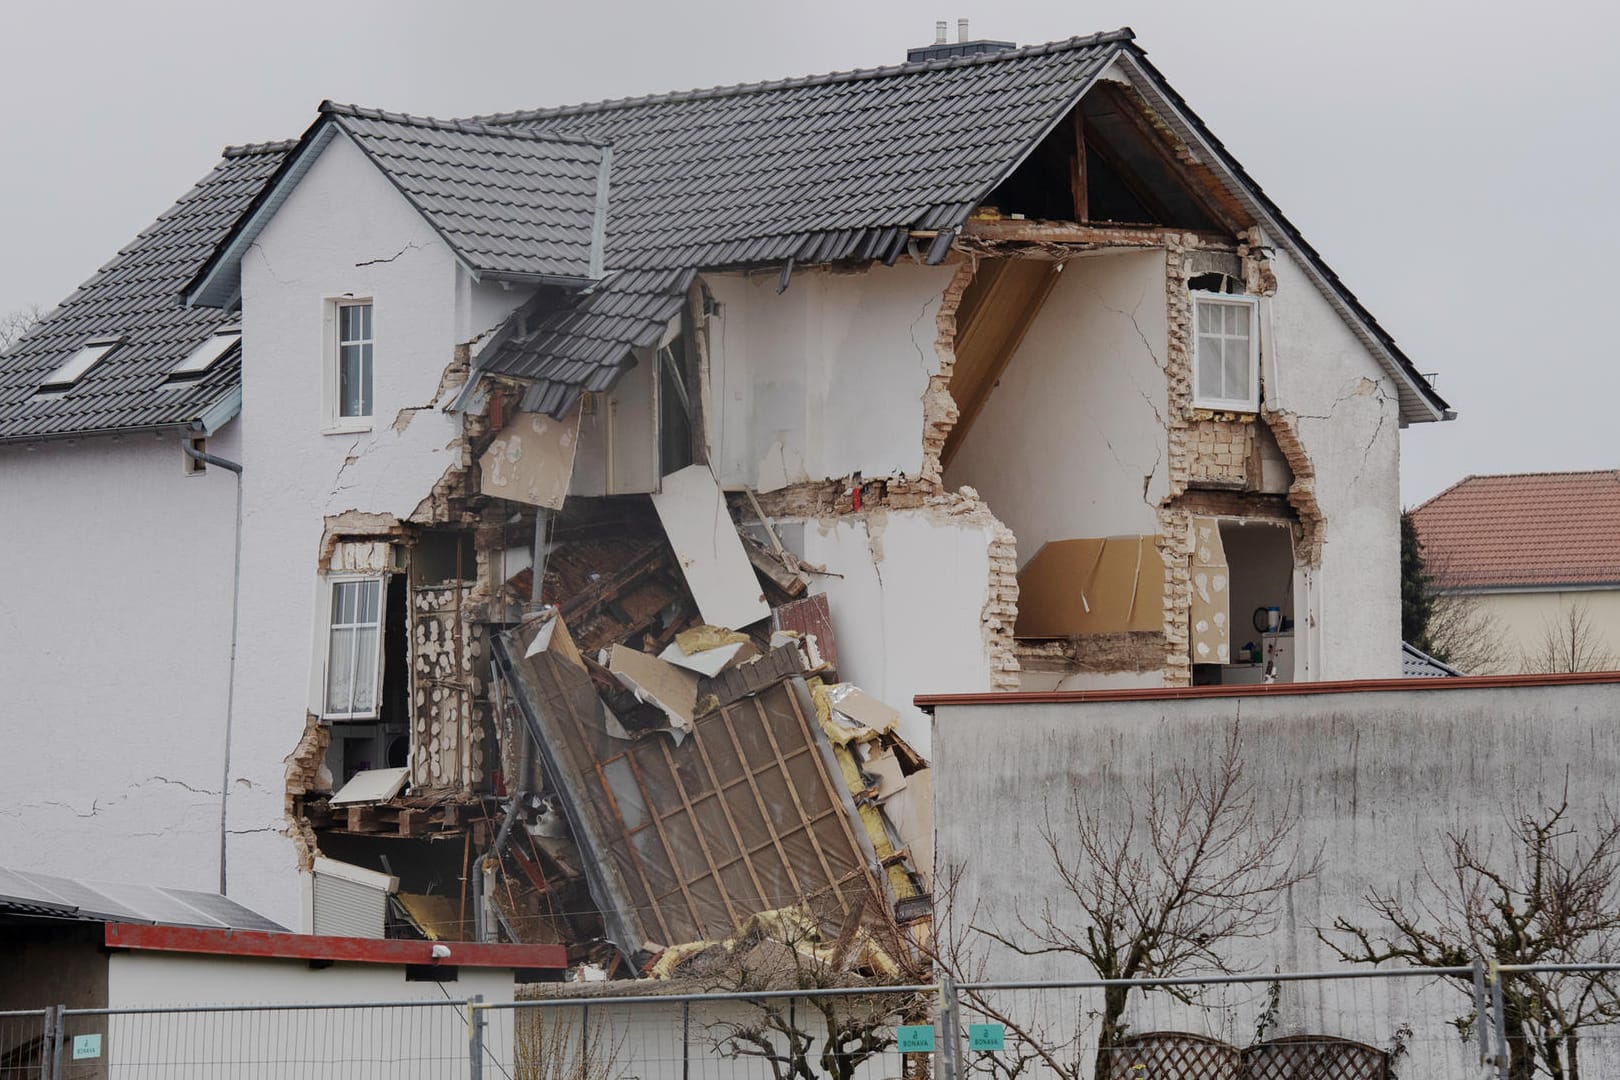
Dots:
pixel 207 354
pixel 80 362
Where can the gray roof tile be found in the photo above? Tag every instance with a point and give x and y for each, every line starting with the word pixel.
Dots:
pixel 819 169
pixel 508 200
pixel 137 295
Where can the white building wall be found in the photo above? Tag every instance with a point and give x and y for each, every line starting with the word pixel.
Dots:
pixel 1347 417
pixel 906 590
pixel 1072 442
pixel 823 380
pixel 115 628
pixel 425 1041
pixel 343 231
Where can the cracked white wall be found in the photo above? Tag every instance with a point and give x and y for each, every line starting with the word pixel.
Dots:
pixel 823 380
pixel 114 638
pixel 1072 442
pixel 343 230
pixel 1347 417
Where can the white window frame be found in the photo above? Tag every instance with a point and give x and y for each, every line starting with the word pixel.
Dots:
pixel 333 420
pixel 1252 402
pixel 331 582
pixel 67 375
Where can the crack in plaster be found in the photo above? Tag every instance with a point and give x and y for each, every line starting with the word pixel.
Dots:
pixel 412 246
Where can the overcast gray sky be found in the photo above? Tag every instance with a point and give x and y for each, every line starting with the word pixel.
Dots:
pixel 1457 163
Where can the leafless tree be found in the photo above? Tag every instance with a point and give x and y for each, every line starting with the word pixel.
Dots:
pixel 1465 633
pixel 1549 895
pixel 14 324
pixel 958 949
pixel 1167 896
pixel 788 953
pixel 1570 641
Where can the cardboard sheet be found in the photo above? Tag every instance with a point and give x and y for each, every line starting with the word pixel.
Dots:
pixel 532 460
pixel 1210 618
pixel 693 511
pixel 1092 586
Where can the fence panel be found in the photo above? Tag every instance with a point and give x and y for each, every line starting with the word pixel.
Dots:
pixel 843 1035
pixel 357 1041
pixel 25 1041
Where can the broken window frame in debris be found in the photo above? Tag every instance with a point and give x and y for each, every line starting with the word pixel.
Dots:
pixel 335 583
pixel 1203 301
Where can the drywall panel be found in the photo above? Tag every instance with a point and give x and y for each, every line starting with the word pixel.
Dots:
pixel 1072 441
pixel 699 526
pixel 531 460
pixel 823 380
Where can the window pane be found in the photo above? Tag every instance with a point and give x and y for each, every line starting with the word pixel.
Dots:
pixel 1238 323
pixel 365 320
pixel 355 374
pixel 340 672
pixel 1237 370
pixel 365 670
pixel 1209 367
pixel 370 593
pixel 343 602
pixel 1209 316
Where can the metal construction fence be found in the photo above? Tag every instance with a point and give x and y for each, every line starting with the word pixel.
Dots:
pixel 1472 1023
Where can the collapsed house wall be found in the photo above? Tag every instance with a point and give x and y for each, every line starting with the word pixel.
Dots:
pixel 322 245
pixel 824 380
pixel 115 635
pixel 1072 441
pixel 1331 400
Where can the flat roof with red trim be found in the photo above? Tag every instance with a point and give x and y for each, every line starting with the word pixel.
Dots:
pixel 929 702
pixel 257 943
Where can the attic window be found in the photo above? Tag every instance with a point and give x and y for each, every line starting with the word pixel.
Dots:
pixel 80 362
pixel 206 355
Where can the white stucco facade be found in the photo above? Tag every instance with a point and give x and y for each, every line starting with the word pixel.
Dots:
pixel 115 626
pixel 343 232
pixel 1347 416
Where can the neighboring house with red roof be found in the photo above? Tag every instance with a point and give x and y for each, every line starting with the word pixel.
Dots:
pixel 1537 549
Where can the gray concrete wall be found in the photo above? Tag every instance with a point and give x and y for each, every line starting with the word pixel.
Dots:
pixel 1374 779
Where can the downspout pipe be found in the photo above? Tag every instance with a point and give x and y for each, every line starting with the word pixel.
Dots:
pixel 484 916
pixel 230 679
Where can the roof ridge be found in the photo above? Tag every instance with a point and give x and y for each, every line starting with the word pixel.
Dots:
pixel 1123 34
pixel 464 127
pixel 277 146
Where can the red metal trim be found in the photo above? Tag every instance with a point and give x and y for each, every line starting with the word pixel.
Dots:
pixel 224 942
pixel 929 702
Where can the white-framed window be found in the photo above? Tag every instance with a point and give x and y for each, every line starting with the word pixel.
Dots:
pixel 354 643
pixel 1226 352
pixel 349 399
pixel 74 368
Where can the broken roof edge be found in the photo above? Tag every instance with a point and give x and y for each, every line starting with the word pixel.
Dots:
pixel 1123 34
pixel 1412 387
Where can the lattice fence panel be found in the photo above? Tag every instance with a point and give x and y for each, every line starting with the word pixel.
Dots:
pixel 1175 1055
pixel 1314 1057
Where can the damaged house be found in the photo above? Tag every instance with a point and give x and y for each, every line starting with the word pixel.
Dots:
pixel 537 526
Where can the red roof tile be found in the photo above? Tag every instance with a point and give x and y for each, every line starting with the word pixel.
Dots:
pixel 1524 530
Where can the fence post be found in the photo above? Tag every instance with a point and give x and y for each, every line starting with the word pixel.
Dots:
pixel 1481 1008
pixel 950 1038
pixel 475 1037
pixel 1499 1008
pixel 686 1040
pixel 55 1022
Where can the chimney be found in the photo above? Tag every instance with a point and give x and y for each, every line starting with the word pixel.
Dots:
pixel 945 49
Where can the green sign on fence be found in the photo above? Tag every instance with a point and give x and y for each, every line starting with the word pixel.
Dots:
pixel 987 1037
pixel 915 1038
pixel 86 1046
